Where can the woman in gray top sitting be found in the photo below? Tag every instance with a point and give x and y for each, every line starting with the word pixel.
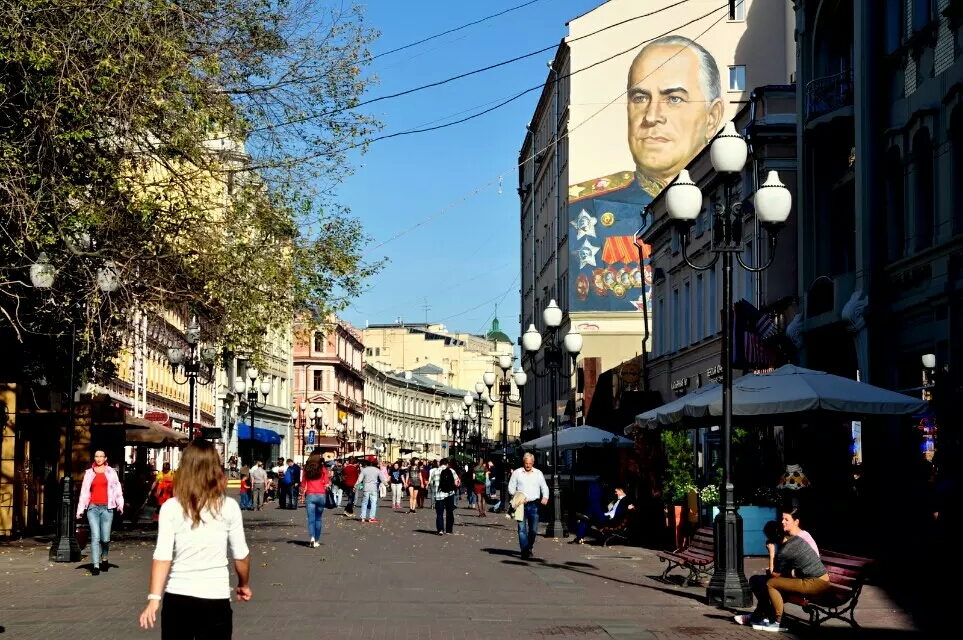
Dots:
pixel 796 570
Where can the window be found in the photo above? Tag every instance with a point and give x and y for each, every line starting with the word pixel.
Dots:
pixel 318 381
pixel 737 78
pixel 924 196
pixel 956 160
pixel 675 241
pixel 318 341
pixel 368 351
pixel 894 25
pixel 700 308
pixel 676 312
pixel 378 351
pixel 660 327
pixel 750 292
pixel 924 12
pixel 713 307
pixel 686 315
pixel 700 225
pixel 737 12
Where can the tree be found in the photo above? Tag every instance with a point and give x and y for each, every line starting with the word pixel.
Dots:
pixel 192 147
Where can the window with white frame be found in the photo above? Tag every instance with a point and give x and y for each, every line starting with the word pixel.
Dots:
pixel 737 78
pixel 738 13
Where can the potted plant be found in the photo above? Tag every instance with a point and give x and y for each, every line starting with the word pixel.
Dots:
pixel 677 481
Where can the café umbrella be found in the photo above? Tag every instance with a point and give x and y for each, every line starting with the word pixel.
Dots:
pixel 787 391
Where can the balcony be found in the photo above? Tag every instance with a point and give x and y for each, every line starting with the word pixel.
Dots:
pixel 825 96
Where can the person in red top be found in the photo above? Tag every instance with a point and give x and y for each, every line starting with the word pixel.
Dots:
pixel 100 495
pixel 351 473
pixel 315 481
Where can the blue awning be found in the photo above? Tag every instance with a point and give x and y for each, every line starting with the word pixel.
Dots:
pixel 244 432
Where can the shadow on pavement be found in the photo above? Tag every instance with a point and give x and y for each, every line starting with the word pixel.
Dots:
pixel 299 543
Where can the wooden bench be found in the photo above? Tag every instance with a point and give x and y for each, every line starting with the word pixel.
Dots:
pixel 847 574
pixel 617 532
pixel 698 557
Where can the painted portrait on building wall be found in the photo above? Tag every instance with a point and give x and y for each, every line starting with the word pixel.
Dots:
pixel 674 107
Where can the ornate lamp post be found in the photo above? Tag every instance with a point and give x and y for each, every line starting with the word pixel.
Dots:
pixel 364 441
pixel 504 394
pixel 249 392
pixel 389 440
pixel 572 342
pixel 195 366
pixel 302 414
pixel 773 202
pixel 42 276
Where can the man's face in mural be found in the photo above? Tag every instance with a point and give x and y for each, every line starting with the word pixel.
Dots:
pixel 670 118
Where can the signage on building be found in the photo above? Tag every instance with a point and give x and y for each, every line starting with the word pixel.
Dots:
pixel 210 433
pixel 158 416
pixel 714 373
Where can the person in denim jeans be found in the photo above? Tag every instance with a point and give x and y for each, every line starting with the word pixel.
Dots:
pixel 529 481
pixel 100 495
pixel 369 479
pixel 315 481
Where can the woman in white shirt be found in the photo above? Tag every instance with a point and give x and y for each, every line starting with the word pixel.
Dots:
pixel 195 529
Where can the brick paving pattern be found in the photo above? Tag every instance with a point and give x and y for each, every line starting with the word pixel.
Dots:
pixel 397 579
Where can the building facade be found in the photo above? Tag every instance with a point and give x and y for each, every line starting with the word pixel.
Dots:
pixel 329 377
pixel 881 218
pixel 585 175
pixel 408 414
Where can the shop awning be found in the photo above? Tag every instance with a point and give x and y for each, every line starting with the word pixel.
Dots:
pixel 266 436
pixel 156 435
pixel 325 442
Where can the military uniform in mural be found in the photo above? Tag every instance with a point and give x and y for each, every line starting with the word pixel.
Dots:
pixel 605 215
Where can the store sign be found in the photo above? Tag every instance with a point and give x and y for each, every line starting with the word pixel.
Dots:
pixel 680 385
pixel 714 373
pixel 158 416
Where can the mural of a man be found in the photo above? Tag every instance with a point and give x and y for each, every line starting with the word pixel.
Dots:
pixel 674 108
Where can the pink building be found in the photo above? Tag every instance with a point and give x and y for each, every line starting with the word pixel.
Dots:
pixel 329 388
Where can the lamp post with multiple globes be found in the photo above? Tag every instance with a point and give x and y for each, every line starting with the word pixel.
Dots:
pixel 249 392
pixel 553 349
pixel 504 394
pixel 773 202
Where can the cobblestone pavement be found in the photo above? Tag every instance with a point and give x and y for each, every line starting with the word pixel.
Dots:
pixel 398 579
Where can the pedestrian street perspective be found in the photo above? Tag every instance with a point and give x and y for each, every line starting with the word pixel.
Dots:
pixel 576 318
pixel 395 579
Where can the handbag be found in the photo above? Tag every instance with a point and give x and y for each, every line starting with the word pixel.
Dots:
pixel 329 501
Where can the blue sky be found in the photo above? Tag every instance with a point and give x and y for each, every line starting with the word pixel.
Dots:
pixel 466 258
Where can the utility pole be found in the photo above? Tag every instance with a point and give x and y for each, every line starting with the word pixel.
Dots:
pixel 427 308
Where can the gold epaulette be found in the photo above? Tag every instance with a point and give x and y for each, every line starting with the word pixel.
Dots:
pixel 606 184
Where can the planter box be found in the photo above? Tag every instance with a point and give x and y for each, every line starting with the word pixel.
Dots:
pixel 753 520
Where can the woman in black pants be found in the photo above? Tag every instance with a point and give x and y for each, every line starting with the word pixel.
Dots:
pixel 189 573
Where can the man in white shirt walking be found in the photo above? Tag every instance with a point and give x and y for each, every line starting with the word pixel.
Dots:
pixel 530 482
pixel 258 484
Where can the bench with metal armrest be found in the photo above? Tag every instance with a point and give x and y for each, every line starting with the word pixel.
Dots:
pixel 698 557
pixel 847 574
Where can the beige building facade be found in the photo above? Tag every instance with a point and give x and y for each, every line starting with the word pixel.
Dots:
pixel 615 122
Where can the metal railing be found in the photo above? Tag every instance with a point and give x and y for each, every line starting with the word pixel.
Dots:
pixel 827 94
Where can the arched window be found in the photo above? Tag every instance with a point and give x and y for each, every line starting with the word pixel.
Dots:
pixel 956 160
pixel 923 210
pixel 895 205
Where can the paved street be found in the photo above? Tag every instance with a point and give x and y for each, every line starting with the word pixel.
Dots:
pixel 395 579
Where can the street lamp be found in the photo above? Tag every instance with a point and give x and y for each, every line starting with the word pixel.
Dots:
pixel 773 202
pixel 42 277
pixel 304 419
pixel 364 440
pixel 195 364
pixel 504 394
pixel 572 344
pixel 248 392
pixel 389 439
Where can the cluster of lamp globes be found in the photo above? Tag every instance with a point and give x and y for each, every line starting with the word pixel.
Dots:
pixel 552 317
pixel 728 153
pixel 43 274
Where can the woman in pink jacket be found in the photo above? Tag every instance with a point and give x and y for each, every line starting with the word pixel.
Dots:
pixel 101 494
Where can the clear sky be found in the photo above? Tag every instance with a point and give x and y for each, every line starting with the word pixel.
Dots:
pixel 466 259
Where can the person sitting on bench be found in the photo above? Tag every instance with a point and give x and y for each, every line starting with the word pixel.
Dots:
pixel 611 519
pixel 796 568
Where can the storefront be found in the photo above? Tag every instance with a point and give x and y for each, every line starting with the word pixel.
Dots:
pixel 257 443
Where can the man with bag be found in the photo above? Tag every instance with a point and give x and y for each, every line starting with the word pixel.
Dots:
pixel 529 481
pixel 448 483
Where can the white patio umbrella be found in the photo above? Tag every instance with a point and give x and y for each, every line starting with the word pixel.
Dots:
pixel 578 438
pixel 788 390
pixel 672 411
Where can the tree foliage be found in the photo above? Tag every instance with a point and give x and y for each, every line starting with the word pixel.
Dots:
pixel 192 146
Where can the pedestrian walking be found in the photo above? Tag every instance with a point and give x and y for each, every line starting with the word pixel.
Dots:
pixel 529 481
pixel 383 480
pixel 258 484
pixel 292 480
pixel 246 503
pixel 337 480
pixel 480 478
pixel 163 487
pixel 101 494
pixel 350 475
pixel 315 481
pixel 282 489
pixel 423 491
pixel 195 530
pixel 397 481
pixel 413 483
pixel 448 483
pixel 369 478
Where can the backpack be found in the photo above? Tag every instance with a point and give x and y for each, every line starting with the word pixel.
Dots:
pixel 446 483
pixel 338 478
